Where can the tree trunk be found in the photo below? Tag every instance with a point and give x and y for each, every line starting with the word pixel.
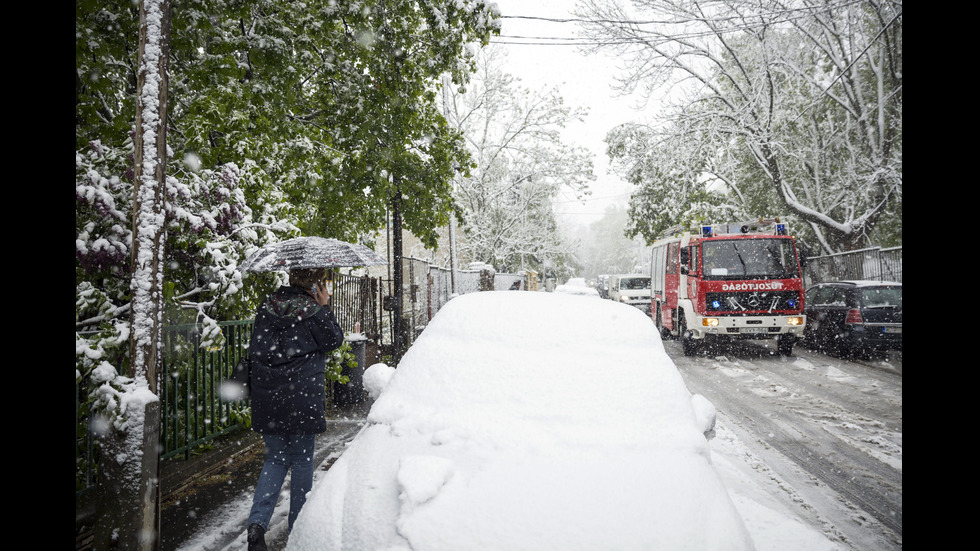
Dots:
pixel 128 491
pixel 129 482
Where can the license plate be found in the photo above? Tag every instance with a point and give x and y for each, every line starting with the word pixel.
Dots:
pixel 754 330
pixel 893 330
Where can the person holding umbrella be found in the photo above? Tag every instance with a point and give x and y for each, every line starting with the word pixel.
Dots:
pixel 293 333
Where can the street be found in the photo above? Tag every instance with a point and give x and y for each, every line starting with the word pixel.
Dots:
pixel 831 427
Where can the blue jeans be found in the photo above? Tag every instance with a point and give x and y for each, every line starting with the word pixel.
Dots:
pixel 284 453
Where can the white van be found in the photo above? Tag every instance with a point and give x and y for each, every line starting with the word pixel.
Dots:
pixel 632 289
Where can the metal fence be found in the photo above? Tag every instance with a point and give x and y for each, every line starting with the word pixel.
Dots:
pixel 873 263
pixel 416 306
pixel 440 288
pixel 356 304
pixel 469 281
pixel 194 412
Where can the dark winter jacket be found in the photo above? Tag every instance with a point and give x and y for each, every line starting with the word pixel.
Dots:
pixel 290 342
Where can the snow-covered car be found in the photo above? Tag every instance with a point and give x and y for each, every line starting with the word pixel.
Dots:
pixel 854 317
pixel 580 290
pixel 527 421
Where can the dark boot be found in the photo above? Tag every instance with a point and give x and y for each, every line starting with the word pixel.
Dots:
pixel 256 538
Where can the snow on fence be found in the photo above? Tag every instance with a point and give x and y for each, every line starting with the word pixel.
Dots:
pixel 468 282
pixel 503 282
pixel 440 288
pixel 873 263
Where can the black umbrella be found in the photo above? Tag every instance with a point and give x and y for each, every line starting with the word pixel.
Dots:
pixel 310 252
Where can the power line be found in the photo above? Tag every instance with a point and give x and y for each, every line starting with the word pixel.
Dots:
pixel 802 11
pixel 765 19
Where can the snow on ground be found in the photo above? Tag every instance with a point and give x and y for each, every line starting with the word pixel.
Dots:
pixel 773 511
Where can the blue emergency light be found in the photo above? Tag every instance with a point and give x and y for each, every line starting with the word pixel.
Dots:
pixel 707 231
pixel 781 229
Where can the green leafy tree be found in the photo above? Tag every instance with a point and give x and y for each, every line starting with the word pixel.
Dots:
pixel 671 179
pixel 285 118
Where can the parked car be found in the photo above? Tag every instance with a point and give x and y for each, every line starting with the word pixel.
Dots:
pixel 602 285
pixel 527 421
pixel 854 318
pixel 632 289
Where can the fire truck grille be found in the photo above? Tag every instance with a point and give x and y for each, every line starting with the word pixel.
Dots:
pixel 756 301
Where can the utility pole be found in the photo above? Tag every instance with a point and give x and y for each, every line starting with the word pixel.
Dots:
pixel 452 253
pixel 453 268
pixel 396 202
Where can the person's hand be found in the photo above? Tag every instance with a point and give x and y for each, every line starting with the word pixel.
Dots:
pixel 322 295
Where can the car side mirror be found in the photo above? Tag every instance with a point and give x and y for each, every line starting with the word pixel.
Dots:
pixel 705 414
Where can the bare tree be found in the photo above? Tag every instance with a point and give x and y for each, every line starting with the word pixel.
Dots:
pixel 521 165
pixel 793 105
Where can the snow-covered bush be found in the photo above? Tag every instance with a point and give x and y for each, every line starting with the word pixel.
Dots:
pixel 210 229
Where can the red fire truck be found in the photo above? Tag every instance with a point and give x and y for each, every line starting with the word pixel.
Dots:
pixel 725 282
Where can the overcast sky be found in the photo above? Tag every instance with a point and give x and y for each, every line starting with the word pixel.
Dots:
pixel 586 81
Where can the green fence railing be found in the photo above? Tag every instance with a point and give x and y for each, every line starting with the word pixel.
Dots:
pixel 193 410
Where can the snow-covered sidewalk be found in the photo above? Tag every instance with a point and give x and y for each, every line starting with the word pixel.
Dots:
pixel 223 528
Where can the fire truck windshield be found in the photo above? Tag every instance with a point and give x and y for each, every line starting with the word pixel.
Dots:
pixel 749 259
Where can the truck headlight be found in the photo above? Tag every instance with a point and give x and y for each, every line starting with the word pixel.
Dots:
pixel 794 320
pixel 710 322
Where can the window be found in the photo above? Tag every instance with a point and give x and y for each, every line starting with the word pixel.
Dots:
pixel 881 297
pixel 657 264
pixel 829 296
pixel 672 260
pixel 749 259
pixel 634 283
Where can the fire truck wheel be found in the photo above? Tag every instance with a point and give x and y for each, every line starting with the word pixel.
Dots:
pixel 690 344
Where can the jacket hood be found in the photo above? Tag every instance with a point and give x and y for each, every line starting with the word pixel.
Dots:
pixel 289 305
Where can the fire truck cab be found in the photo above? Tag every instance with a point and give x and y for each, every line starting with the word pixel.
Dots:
pixel 726 282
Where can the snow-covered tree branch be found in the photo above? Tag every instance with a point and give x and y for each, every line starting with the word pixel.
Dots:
pixel 521 165
pixel 796 104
